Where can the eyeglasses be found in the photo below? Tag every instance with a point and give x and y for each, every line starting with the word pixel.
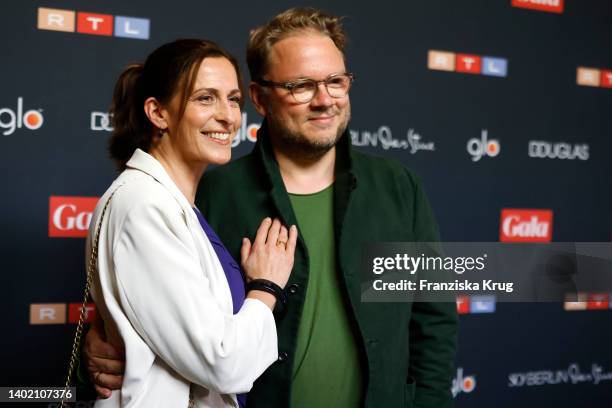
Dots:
pixel 304 90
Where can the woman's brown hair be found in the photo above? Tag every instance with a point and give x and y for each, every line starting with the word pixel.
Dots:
pixel 170 69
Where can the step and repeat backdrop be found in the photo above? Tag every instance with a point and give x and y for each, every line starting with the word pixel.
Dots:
pixel 502 107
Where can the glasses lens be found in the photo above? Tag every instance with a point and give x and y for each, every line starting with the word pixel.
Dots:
pixel 304 91
pixel 338 86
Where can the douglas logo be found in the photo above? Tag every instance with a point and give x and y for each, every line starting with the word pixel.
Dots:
pixel 101 121
pixel 11 120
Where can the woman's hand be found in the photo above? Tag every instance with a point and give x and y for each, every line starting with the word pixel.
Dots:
pixel 271 254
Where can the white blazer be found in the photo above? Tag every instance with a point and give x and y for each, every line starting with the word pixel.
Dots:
pixel 163 296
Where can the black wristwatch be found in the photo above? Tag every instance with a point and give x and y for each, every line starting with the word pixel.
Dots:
pixel 272 288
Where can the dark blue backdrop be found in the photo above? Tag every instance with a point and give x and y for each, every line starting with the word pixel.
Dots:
pixel 65 76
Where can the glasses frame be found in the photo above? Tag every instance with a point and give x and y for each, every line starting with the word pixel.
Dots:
pixel 291 85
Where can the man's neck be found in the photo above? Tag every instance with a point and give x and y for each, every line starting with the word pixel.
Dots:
pixel 306 175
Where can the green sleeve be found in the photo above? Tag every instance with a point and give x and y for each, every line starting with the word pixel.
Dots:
pixel 433 326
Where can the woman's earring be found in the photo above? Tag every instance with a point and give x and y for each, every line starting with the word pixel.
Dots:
pixel 161 132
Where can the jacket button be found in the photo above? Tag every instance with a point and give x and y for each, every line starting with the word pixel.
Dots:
pixel 293 288
pixel 283 356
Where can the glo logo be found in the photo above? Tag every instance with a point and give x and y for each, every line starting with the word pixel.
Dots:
pixel 13 119
pixel 461 384
pixel 246 133
pixel 477 148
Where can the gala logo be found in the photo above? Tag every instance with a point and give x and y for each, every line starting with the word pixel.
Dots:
pixel 552 6
pixel 526 225
pixel 70 216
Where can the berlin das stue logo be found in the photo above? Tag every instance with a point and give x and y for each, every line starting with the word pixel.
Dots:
pixel 572 375
pixel 525 225
pixel 69 217
pixel 413 142
pixel 13 119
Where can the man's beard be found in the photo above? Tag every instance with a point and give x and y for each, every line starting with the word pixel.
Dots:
pixel 295 144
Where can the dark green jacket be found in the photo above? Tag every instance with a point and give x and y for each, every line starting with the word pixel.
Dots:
pixel 407 349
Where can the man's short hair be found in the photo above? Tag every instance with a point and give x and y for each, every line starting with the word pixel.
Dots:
pixel 290 22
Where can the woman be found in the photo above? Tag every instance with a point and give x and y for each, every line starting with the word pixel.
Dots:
pixel 166 288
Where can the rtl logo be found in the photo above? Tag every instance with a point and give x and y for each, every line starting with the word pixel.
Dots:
pixel 467 63
pixel 476 304
pixel 552 6
pixel 55 313
pixel 74 312
pixel 594 77
pixel 598 301
pixel 461 384
pixel 478 148
pixel 10 120
pixel 463 304
pixel 47 313
pixel 93 23
pixel 70 216
pixel 522 225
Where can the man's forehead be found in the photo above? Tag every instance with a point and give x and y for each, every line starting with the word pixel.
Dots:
pixel 305 54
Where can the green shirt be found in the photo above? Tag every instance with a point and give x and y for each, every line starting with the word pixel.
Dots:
pixel 326 370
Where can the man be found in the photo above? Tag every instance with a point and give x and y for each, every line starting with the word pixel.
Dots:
pixel 334 350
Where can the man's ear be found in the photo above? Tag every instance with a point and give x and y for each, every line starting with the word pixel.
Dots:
pixel 156 113
pixel 256 92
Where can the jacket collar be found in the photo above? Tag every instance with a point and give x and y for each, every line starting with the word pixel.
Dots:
pixel 345 180
pixel 263 149
pixel 146 163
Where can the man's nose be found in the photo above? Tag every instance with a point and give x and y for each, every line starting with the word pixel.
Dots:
pixel 321 97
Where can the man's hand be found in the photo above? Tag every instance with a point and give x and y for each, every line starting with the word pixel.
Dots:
pixel 105 363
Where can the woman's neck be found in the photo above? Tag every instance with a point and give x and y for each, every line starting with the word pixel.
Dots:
pixel 185 175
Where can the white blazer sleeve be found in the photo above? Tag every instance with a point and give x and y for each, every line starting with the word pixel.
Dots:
pixel 167 298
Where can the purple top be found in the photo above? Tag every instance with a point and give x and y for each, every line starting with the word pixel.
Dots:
pixel 233 273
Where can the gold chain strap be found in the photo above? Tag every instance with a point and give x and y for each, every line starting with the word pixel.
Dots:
pixel 93 261
pixel 191 400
